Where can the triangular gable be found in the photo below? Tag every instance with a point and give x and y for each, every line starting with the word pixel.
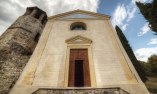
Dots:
pixel 79 14
pixel 78 40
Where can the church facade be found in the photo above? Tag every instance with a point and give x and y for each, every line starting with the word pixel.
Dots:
pixel 79 50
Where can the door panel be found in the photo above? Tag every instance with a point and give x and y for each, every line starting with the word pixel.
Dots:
pixel 79 62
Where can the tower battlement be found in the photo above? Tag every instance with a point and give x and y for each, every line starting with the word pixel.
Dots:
pixel 36 13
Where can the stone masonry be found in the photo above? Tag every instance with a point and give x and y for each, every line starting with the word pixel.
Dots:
pixel 17 44
pixel 114 90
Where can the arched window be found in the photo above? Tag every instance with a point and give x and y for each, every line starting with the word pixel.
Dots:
pixel 78 26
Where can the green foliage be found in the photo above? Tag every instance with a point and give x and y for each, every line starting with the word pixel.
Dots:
pixel 149 11
pixel 150 66
pixel 152 61
pixel 131 55
pixel 147 68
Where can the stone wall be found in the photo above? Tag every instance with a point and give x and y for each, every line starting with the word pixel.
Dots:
pixel 17 44
pixel 11 65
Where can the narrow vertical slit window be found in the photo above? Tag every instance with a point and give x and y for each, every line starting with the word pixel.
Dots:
pixel 36 39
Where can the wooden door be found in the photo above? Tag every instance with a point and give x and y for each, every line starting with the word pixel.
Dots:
pixel 79 74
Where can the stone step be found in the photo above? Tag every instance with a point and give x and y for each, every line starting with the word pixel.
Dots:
pixel 81 91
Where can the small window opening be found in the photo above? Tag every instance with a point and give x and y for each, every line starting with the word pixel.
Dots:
pixel 78 26
pixel 28 11
pixel 44 20
pixel 79 79
pixel 37 15
pixel 36 39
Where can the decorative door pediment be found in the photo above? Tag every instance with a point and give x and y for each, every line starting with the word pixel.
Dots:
pixel 78 40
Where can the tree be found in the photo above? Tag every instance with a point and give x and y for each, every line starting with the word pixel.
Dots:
pixel 150 66
pixel 147 68
pixel 152 60
pixel 149 11
pixel 131 55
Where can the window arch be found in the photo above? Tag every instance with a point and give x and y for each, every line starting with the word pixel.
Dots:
pixel 78 26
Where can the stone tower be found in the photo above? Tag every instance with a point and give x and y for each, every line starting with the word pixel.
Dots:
pixel 17 44
pixel 79 53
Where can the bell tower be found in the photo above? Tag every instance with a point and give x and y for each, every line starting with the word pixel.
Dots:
pixel 17 44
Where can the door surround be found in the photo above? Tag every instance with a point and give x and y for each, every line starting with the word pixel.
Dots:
pixel 73 44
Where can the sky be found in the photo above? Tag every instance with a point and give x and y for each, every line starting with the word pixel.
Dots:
pixel 124 13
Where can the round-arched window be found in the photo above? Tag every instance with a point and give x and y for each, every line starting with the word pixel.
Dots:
pixel 78 26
